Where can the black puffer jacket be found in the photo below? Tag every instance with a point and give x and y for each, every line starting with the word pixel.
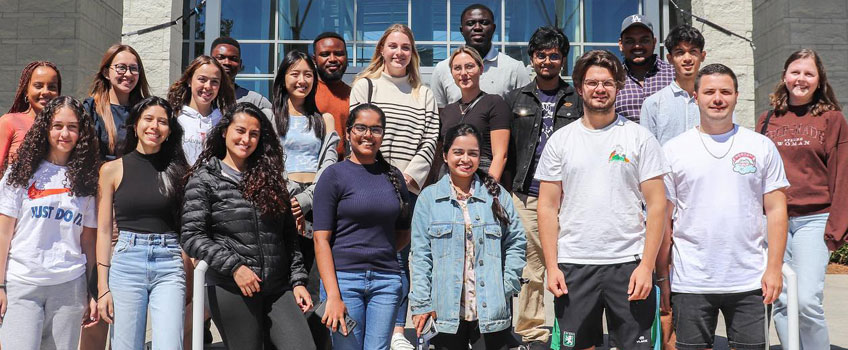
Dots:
pixel 222 228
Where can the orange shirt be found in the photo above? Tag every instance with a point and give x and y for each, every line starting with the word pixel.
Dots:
pixel 13 128
pixel 335 99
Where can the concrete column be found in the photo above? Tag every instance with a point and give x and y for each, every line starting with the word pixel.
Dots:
pixel 731 51
pixel 160 50
pixel 783 26
pixel 73 34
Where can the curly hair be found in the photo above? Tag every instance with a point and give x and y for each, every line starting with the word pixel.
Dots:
pixel 263 183
pixel 179 94
pixel 20 104
pixel 491 184
pixel 83 164
pixel 171 154
pixel 824 99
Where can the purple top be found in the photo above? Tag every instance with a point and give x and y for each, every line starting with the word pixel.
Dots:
pixel 628 102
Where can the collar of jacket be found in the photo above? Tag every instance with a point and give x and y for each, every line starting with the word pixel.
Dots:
pixel 444 191
pixel 213 167
pixel 563 89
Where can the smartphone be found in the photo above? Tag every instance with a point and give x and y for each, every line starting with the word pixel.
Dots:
pixel 427 333
pixel 349 322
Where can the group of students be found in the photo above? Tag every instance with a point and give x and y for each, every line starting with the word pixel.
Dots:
pixel 446 201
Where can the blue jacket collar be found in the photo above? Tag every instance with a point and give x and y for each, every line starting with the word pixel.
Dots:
pixel 444 190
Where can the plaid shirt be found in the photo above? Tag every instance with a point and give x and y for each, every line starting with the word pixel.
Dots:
pixel 628 102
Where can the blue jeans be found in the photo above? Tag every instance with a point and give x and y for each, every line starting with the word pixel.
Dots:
pixel 371 298
pixel 147 270
pixel 807 254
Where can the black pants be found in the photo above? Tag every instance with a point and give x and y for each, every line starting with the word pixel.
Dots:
pixel 264 321
pixel 469 333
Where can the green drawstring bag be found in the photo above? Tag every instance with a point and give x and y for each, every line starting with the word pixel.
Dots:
pixel 556 341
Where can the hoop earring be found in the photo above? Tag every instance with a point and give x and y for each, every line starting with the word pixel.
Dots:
pixel 26 99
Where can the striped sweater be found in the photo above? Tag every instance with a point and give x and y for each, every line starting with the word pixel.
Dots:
pixel 412 124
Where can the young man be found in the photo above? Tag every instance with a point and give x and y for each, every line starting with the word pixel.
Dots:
pixel 539 108
pixel 227 52
pixel 501 73
pixel 673 110
pixel 646 72
pixel 332 94
pixel 596 175
pixel 723 177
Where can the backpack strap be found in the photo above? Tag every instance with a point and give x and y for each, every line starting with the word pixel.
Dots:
pixel 766 122
pixel 370 88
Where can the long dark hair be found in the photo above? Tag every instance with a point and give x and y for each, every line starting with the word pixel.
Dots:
pixel 19 103
pixel 263 183
pixel 179 94
pixel 170 162
pixel 824 99
pixel 100 87
pixel 491 184
pixel 386 168
pixel 83 164
pixel 281 96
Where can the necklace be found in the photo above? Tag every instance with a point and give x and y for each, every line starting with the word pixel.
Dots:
pixel 469 105
pixel 732 139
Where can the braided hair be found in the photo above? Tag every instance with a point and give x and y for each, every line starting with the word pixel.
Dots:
pixel 489 182
pixel 386 168
pixel 20 103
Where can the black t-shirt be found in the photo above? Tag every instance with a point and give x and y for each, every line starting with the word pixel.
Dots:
pixel 489 113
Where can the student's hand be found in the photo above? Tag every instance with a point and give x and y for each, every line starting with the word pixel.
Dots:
pixel 334 312
pixel 247 281
pixel 420 320
pixel 105 307
pixel 90 316
pixel 641 283
pixel 665 296
pixel 296 210
pixel 772 284
pixel 302 298
pixel 410 182
pixel 3 303
pixel 556 282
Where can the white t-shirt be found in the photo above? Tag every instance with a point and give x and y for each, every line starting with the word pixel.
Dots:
pixel 195 127
pixel 719 228
pixel 45 247
pixel 601 219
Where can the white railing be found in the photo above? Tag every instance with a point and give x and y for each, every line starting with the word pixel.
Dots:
pixel 198 302
pixel 791 285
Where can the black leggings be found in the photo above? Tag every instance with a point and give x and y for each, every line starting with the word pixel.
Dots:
pixel 258 322
pixel 469 334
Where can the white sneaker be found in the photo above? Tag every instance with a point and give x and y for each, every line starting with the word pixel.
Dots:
pixel 399 342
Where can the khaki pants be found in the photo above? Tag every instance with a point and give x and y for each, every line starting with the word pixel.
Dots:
pixel 531 300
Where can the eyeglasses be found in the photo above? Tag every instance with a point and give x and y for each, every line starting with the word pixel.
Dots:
pixel 593 84
pixel 360 130
pixel 554 57
pixel 121 69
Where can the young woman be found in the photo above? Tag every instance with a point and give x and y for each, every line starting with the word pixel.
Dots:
pixel 361 221
pixel 488 113
pixel 199 96
pixel 145 188
pixel 308 137
pixel 237 218
pixel 117 86
pixel 392 82
pixel 812 137
pixel 40 82
pixel 477 311
pixel 47 231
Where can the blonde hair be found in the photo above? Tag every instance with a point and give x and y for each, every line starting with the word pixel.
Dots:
pixel 468 50
pixel 375 68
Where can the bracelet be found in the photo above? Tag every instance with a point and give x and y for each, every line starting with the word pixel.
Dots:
pixel 3 286
pixel 103 295
pixel 104 265
pixel 662 279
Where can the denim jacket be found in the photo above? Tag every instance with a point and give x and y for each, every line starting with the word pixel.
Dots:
pixel 438 255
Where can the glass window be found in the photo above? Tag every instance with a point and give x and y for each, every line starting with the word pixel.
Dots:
pixel 429 22
pixel 432 54
pixel 562 13
pixel 262 86
pixel 373 17
pixel 199 21
pixel 603 18
pixel 364 54
pixel 456 8
pixel 257 59
pixel 304 20
pixel 248 19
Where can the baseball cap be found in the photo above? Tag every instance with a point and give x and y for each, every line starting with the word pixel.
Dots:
pixel 636 20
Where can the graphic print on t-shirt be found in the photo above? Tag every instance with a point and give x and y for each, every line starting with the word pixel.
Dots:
pixel 35 193
pixel 618 155
pixel 796 135
pixel 744 163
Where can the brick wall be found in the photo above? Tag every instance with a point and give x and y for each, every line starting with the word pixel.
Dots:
pixel 161 50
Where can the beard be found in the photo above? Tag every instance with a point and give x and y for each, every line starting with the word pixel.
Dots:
pixel 599 108
pixel 330 77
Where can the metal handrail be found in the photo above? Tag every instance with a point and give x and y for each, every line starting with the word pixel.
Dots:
pixel 791 285
pixel 197 306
